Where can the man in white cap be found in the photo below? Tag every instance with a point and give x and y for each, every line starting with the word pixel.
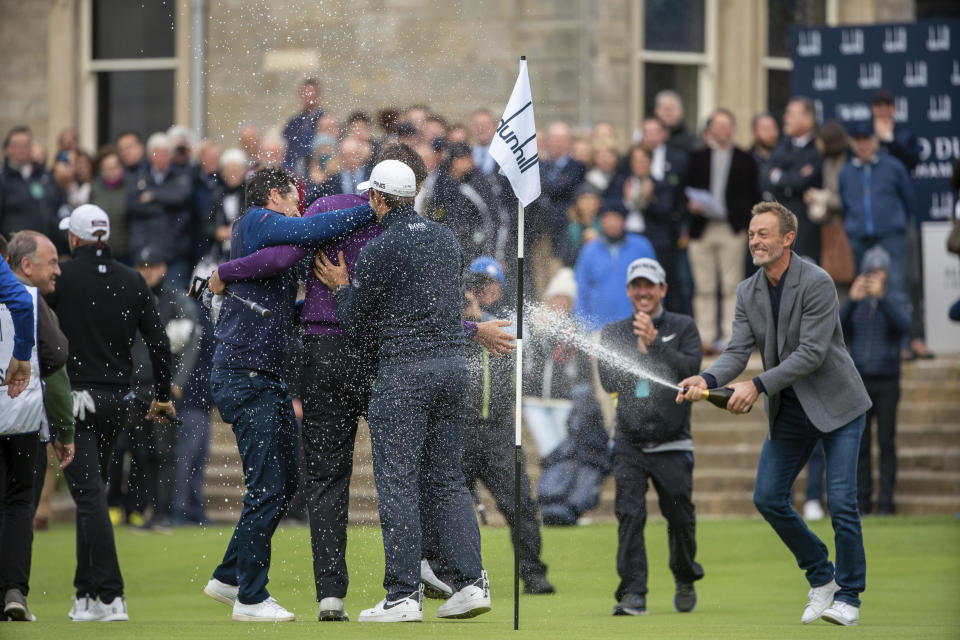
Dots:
pixel 652 440
pixel 101 305
pixel 408 284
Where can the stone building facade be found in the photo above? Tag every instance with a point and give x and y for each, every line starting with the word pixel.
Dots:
pixel 214 64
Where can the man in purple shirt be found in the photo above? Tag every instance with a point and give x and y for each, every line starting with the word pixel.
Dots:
pixel 338 374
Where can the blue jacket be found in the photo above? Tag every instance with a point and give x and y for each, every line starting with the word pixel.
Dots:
pixel 244 339
pixel 876 197
pixel 601 273
pixel 20 304
pixel 874 330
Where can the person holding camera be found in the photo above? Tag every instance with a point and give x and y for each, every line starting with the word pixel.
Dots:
pixel 875 318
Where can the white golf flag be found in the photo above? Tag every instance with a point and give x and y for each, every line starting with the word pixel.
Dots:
pixel 514 146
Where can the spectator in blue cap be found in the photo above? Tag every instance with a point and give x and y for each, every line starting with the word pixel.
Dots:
pixel 875 318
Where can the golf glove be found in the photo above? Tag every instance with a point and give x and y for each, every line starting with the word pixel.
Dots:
pixel 82 403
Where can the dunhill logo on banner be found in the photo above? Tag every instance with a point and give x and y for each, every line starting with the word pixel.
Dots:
pixel 916 74
pixel 939 108
pixel 871 76
pixel 941 205
pixel 824 77
pixel 901 111
pixel 938 38
pixel 851 42
pixel 808 44
pixel 955 76
pixel 511 139
pixel 894 39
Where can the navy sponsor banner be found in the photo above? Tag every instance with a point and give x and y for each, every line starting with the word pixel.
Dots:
pixel 840 68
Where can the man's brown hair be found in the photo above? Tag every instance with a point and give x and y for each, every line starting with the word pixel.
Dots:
pixel 786 218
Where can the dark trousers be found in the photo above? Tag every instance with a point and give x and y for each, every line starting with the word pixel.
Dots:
pixel 337 377
pixel 672 475
pixel 489 456
pixel 150 480
pixel 885 394
pixel 98 569
pixel 261 411
pixel 416 418
pixel 784 453
pixel 18 456
pixel 192 449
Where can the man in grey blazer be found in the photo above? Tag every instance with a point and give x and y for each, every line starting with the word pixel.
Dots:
pixel 813 392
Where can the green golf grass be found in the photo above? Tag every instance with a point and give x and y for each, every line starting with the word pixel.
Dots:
pixel 752 587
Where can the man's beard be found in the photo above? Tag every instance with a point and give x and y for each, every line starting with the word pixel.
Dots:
pixel 771 257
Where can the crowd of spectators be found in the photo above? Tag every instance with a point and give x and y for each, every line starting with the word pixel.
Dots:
pixel 670 193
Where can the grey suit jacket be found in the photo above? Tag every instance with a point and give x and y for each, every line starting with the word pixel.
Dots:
pixel 808 352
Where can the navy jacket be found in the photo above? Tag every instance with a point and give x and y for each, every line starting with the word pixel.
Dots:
pixel 409 284
pixel 890 197
pixel 874 331
pixel 244 339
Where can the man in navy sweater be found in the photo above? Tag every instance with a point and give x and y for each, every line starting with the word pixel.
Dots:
pixel 248 388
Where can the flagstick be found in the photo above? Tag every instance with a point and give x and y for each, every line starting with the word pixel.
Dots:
pixel 519 394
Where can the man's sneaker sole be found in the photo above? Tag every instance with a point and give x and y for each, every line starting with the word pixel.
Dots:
pixel 242 617
pixel 15 612
pixel 115 617
pixel 470 613
pixel 628 611
pixel 332 615
pixel 429 591
pixel 398 616
pixel 219 597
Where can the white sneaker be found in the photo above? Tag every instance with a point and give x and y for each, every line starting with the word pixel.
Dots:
pixel 842 613
pixel 409 609
pixel 86 609
pixel 221 591
pixel 267 611
pixel 115 611
pixel 433 587
pixel 331 610
pixel 820 599
pixel 469 602
pixel 812 510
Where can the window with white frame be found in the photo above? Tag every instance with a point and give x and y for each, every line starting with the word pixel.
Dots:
pixel 130 66
pixel 675 52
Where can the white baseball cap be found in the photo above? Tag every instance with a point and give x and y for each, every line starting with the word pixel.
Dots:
pixel 393 177
pixel 646 268
pixel 85 221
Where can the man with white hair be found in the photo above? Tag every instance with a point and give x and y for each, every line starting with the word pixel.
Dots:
pixel 160 210
pixel 227 202
pixel 668 107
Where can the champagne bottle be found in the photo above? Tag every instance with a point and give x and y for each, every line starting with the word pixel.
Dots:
pixel 719 396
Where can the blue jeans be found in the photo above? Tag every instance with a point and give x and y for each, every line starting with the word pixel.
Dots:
pixel 193 446
pixel 261 411
pixel 417 413
pixel 784 454
pixel 895 244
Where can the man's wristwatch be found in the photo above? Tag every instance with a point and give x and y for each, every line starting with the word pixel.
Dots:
pixel 339 288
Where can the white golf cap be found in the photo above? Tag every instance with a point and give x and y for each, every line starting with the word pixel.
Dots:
pixel 646 268
pixel 86 220
pixel 393 177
